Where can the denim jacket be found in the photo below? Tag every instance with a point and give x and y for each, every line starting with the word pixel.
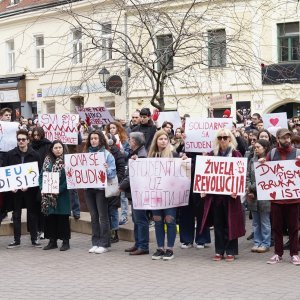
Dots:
pixel 110 160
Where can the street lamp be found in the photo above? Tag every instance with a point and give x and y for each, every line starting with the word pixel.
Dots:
pixel 103 74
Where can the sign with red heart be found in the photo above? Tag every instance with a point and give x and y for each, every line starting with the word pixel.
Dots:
pixel 275 121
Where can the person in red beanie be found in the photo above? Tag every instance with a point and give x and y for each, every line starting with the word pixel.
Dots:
pixel 226 113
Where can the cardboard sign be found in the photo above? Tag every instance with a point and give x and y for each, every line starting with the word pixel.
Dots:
pixel 171 116
pixel 200 133
pixel 50 183
pixel 95 115
pixel 20 176
pixel 220 175
pixel 159 183
pixel 221 100
pixel 8 139
pixel 60 127
pixel 275 121
pixel 278 180
pixel 85 170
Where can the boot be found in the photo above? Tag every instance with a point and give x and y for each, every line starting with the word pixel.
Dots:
pixel 51 245
pixel 65 245
pixel 114 238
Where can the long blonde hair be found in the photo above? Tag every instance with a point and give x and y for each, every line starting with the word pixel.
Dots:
pixel 227 132
pixel 154 152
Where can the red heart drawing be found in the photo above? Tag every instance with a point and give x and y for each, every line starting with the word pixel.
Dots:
pixel 274 121
pixel 273 195
pixel 297 163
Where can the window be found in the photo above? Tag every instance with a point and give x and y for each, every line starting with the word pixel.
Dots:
pixel 111 107
pixel 11 55
pixel 165 56
pixel 288 42
pixel 40 51
pixel 50 107
pixel 217 48
pixel 14 2
pixel 106 41
pixel 77 45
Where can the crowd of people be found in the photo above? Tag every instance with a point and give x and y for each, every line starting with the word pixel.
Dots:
pixel 48 214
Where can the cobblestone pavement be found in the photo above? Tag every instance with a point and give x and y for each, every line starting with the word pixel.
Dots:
pixel 32 273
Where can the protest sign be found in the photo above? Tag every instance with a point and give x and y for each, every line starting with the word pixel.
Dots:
pixel 85 170
pixel 171 116
pixel 50 183
pixel 8 139
pixel 95 115
pixel 200 133
pixel 159 183
pixel 277 180
pixel 60 127
pixel 220 175
pixel 20 176
pixel 275 121
pixel 221 100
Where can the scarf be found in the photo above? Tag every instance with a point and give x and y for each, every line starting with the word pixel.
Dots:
pixel 283 152
pixel 50 200
pixel 227 153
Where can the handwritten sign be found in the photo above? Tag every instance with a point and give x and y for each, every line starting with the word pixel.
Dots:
pixel 96 115
pixel 223 100
pixel 158 183
pixel 275 121
pixel 200 133
pixel 85 170
pixel 220 175
pixel 20 176
pixel 278 180
pixel 8 139
pixel 60 127
pixel 50 183
pixel 170 116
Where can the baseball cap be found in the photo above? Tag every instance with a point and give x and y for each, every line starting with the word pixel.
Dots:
pixel 282 132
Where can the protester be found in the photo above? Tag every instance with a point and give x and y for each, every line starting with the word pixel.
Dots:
pixel 177 139
pixel 227 230
pixel 168 128
pixel 260 209
pixel 255 119
pixel 96 201
pixel 56 207
pixel 135 121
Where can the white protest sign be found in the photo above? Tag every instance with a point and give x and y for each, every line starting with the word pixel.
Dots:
pixel 277 180
pixel 50 183
pixel 8 139
pixel 159 183
pixel 201 132
pixel 20 176
pixel 220 175
pixel 95 115
pixel 60 127
pixel 85 170
pixel 275 121
pixel 170 116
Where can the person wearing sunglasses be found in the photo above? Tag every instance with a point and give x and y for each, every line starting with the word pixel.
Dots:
pixel 27 197
pixel 251 141
pixel 227 211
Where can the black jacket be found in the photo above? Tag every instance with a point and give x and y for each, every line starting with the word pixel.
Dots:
pixel 42 147
pixel 120 161
pixel 148 130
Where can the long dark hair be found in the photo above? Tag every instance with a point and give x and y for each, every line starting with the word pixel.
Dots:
pixel 50 153
pixel 102 140
pixel 40 131
pixel 265 144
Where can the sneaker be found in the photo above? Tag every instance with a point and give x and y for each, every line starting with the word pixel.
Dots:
pixel 230 258
pixel 274 259
pixel 200 246
pixel 158 254
pixel 186 245
pixel 262 249
pixel 123 221
pixel 14 245
pixel 168 255
pixel 41 235
pixel 101 250
pixel 151 224
pixel 218 257
pixel 36 244
pixel 295 260
pixel 254 249
pixel 93 249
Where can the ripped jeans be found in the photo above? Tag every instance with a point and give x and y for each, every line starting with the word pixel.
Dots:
pixel 161 217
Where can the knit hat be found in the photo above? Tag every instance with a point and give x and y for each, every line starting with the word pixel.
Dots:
pixel 226 113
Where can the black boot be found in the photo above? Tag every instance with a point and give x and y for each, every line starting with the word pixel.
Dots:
pixel 65 245
pixel 114 236
pixel 51 245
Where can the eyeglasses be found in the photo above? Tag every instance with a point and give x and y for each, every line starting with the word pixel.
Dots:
pixel 253 140
pixel 21 140
pixel 225 137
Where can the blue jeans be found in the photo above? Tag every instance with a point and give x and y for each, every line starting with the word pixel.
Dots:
pixel 124 206
pixel 113 217
pixel 141 228
pixel 75 204
pixel 261 229
pixel 160 217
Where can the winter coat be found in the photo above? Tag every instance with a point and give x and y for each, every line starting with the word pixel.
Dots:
pixel 42 147
pixel 254 204
pixel 148 130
